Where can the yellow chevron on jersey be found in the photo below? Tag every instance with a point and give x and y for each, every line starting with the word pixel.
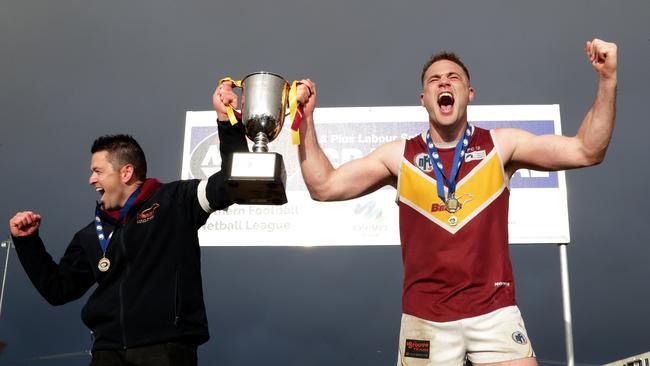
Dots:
pixel 475 192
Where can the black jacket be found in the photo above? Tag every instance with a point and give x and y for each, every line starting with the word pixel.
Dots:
pixel 152 291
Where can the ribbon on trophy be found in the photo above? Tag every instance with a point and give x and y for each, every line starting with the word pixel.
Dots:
pixel 296 110
pixel 233 115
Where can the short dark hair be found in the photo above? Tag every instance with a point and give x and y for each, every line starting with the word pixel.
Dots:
pixel 122 150
pixel 444 55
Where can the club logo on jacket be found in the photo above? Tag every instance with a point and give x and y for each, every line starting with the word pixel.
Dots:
pixel 147 214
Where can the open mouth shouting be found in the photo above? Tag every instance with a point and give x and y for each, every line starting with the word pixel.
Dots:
pixel 446 102
pixel 101 191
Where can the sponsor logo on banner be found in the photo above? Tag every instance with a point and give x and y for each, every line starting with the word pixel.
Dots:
pixel 370 210
pixel 370 218
pixel 205 158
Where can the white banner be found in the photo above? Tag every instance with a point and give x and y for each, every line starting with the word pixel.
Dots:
pixel 538 204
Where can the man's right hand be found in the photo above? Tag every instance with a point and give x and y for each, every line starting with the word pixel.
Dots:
pixel 24 223
pixel 224 96
pixel 602 56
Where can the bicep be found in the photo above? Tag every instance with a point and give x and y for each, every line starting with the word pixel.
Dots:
pixel 524 150
pixel 365 175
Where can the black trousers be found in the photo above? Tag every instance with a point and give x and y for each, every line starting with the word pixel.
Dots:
pixel 164 354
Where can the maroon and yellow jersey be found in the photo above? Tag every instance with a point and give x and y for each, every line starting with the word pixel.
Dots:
pixel 456 265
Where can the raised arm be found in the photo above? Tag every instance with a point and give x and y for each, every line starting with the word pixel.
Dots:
pixel 231 138
pixel 213 196
pixel 522 149
pixel 57 283
pixel 350 180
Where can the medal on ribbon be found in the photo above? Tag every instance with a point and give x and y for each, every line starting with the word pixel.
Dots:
pixel 104 263
pixel 452 204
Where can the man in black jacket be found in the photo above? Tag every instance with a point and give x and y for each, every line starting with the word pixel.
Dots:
pixel 142 250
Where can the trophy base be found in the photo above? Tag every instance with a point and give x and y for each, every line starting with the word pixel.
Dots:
pixel 257 178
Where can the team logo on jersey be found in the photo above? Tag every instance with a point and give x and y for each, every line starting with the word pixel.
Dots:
pixel 475 155
pixel 147 214
pixel 453 220
pixel 416 348
pixel 423 162
pixel 519 338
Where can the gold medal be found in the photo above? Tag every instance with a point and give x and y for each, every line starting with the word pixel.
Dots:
pixel 104 264
pixel 452 205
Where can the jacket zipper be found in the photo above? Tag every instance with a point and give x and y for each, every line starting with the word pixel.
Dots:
pixel 176 298
pixel 126 273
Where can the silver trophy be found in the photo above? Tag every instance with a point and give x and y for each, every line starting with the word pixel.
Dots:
pixel 259 177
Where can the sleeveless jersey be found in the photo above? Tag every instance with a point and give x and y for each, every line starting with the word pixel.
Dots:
pixel 455 265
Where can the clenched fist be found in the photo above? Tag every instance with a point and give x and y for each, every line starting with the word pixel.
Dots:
pixel 602 56
pixel 24 223
pixel 224 96
pixel 306 95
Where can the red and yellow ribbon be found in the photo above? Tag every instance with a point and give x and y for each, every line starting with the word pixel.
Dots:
pixel 233 115
pixel 295 113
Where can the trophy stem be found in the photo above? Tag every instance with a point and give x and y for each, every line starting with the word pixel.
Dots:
pixel 260 142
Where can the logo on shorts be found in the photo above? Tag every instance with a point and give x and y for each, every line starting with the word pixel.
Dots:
pixel 416 348
pixel 519 337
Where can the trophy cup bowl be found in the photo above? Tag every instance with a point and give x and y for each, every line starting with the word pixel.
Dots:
pixel 259 177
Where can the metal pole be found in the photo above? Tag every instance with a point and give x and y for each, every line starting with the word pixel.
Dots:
pixel 566 304
pixel 7 244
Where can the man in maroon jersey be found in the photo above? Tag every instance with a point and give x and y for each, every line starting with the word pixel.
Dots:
pixel 458 296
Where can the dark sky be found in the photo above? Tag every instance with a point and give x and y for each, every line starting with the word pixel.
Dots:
pixel 71 70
